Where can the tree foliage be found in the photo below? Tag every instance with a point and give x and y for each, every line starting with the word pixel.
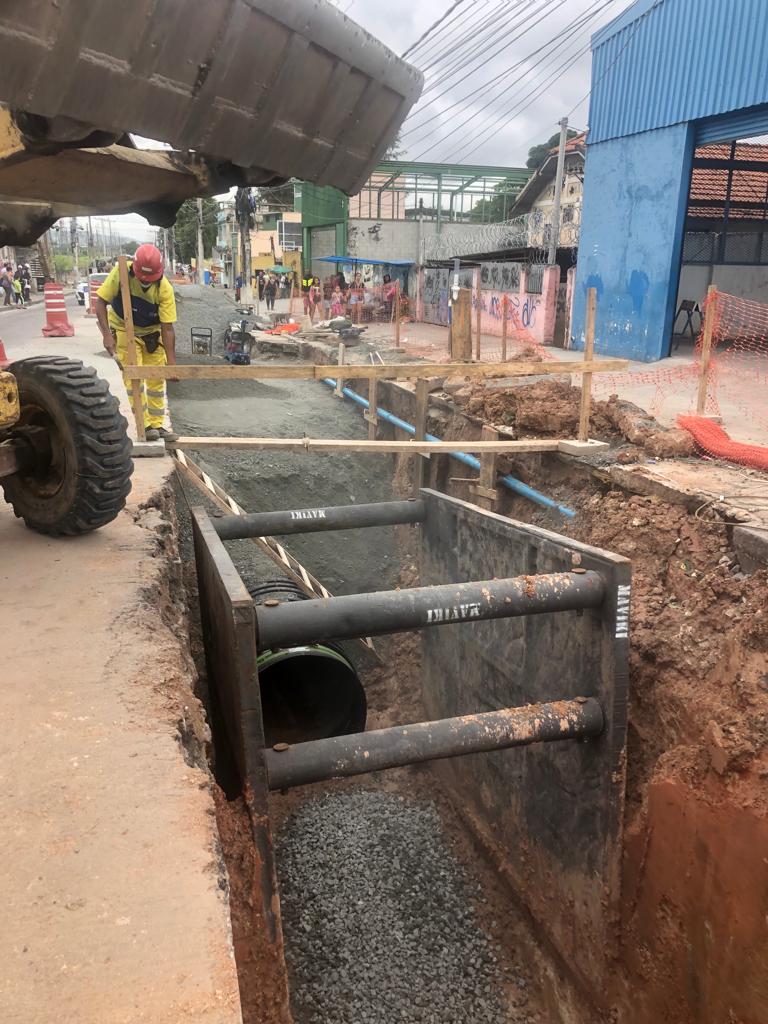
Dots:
pixel 497 208
pixel 538 154
pixel 185 229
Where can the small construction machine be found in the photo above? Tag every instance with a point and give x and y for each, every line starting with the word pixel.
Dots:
pixel 65 455
pixel 225 97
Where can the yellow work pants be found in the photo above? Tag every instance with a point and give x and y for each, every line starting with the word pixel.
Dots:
pixel 152 391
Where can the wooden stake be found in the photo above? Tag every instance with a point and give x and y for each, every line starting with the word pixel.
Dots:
pixel 135 384
pixel 706 350
pixel 461 327
pixel 420 422
pixel 397 314
pixel 478 315
pixel 589 352
pixel 339 382
pixel 371 414
pixel 484 490
pixel 504 310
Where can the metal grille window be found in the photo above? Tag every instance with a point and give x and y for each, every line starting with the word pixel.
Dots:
pixel 535 278
pixel 699 247
pixel 742 247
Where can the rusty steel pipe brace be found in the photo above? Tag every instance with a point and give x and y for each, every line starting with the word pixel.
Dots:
pixel 316 520
pixel 393 611
pixel 341 756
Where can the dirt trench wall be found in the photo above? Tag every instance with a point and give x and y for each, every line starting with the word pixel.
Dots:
pixel 692 942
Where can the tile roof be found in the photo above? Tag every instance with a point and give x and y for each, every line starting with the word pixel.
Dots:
pixel 746 187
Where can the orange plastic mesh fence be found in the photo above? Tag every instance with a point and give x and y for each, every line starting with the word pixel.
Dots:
pixel 737 375
pixel 713 440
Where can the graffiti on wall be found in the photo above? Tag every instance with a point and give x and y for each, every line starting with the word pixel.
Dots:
pixel 500 277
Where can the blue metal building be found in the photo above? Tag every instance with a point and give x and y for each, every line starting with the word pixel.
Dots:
pixel 667 76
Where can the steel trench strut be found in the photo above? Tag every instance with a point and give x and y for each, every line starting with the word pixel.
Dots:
pixel 360 753
pixel 315 520
pixel 393 611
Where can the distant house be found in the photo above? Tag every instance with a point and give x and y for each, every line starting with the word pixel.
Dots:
pixel 537 199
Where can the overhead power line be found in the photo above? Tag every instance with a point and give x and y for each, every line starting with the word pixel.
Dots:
pixel 501 79
pixel 523 103
pixel 453 30
pixel 531 18
pixel 558 45
pixel 615 60
pixel 465 37
pixel 432 28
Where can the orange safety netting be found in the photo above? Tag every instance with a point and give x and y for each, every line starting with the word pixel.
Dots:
pixel 713 440
pixel 736 374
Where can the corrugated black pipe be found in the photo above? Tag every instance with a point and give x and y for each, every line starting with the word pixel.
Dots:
pixel 308 692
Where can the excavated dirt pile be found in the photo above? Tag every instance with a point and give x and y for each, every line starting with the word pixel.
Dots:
pixel 699 640
pixel 551 408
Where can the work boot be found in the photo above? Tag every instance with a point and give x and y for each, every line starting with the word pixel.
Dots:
pixel 152 434
pixel 167 435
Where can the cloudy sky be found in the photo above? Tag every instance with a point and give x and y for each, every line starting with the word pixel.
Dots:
pixel 527 65
pixel 499 76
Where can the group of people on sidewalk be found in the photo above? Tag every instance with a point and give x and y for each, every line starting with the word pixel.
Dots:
pixel 16 285
pixel 358 300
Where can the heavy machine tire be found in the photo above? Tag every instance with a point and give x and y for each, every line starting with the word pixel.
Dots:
pixel 80 476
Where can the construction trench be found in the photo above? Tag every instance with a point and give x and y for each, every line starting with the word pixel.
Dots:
pixel 610 871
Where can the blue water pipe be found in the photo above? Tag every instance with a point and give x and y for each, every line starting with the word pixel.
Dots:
pixel 469 460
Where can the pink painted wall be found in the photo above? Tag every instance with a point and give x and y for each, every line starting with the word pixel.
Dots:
pixel 530 316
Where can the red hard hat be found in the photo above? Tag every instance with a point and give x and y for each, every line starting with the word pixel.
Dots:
pixel 148 263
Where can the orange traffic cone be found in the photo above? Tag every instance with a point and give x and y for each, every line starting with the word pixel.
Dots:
pixel 57 323
pixel 4 360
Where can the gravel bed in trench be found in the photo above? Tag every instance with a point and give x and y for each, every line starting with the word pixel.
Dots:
pixel 380 918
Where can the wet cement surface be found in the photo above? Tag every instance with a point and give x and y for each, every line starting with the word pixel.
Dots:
pixel 346 562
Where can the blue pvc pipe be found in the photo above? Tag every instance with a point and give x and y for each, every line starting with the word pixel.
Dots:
pixel 510 482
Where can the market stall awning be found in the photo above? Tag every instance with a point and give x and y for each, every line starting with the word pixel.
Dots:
pixel 359 260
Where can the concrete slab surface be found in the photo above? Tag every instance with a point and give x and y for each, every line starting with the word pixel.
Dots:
pixel 114 893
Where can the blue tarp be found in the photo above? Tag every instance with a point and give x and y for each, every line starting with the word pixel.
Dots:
pixel 357 259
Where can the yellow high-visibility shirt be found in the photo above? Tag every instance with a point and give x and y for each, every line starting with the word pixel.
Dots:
pixel 151 307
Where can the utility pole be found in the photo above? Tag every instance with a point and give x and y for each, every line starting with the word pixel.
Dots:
pixel 244 213
pixel 75 249
pixel 555 236
pixel 233 250
pixel 200 271
pixel 172 250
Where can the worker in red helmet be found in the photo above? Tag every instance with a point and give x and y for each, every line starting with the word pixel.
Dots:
pixel 154 314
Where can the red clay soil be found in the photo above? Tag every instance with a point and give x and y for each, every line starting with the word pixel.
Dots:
pixel 693 944
pixel 551 408
pixel 694 935
pixel 261 976
pixel 695 885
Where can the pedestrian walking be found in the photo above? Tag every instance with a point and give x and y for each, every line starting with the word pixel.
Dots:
pixel 153 305
pixel 18 292
pixel 6 282
pixel 26 283
pixel 261 282
pixel 238 287
pixel 270 291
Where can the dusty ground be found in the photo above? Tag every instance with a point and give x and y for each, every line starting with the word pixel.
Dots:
pixel 358 560
pixel 114 894
pixel 699 701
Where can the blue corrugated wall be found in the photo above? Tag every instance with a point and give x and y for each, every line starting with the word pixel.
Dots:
pixel 667 61
pixel 657 70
